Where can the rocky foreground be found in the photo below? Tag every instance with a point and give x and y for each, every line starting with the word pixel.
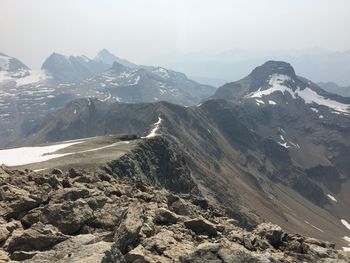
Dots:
pixel 77 216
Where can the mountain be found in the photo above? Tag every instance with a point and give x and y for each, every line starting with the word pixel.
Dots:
pixel 71 69
pixel 317 64
pixel 149 84
pixel 275 148
pixel 108 58
pixel 28 95
pixel 334 88
pixel 270 147
pixel 276 83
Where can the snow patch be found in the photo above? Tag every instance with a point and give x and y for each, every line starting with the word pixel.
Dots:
pixel 155 129
pixel 162 72
pixel 345 223
pixel 310 96
pixel 314 110
pixel 284 145
pixel 319 229
pixel 258 102
pixel 332 198
pixel 296 145
pixel 276 83
pixel 27 155
pixel 271 102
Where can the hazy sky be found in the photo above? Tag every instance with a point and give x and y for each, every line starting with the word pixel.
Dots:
pixel 144 30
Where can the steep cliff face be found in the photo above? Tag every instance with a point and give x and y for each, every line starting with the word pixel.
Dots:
pixel 155 161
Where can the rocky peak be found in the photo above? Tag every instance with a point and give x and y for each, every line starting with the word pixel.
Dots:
pixel 108 58
pixel 273 68
pixel 11 64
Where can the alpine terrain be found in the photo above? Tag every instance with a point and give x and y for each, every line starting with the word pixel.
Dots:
pixel 26 96
pixel 184 182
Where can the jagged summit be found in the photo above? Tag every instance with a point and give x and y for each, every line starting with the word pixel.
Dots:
pixel 72 68
pixel 108 58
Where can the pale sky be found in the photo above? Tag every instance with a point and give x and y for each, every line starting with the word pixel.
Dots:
pixel 144 30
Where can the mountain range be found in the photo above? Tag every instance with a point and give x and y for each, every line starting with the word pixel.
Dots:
pixel 272 146
pixel 277 145
pixel 28 95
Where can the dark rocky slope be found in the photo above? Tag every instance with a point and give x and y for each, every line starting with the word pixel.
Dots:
pixel 78 216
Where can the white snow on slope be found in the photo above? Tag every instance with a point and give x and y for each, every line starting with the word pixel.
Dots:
pixel 44 153
pixel 271 102
pixel 277 83
pixel 347 239
pixel 155 129
pixel 23 78
pixel 314 110
pixel 258 102
pixel 34 77
pixel 27 155
pixel 284 145
pixel 319 229
pixel 162 72
pixel 345 223
pixel 310 96
pixel 332 198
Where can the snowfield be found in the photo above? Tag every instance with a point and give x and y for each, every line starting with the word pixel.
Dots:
pixel 27 155
pixel 277 83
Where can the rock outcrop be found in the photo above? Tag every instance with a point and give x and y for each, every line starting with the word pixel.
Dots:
pixel 77 216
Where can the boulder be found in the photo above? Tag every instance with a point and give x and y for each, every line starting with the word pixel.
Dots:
pixel 69 217
pixel 38 237
pixel 164 216
pixel 127 234
pixel 78 249
pixel 56 171
pixel 272 233
pixel 201 226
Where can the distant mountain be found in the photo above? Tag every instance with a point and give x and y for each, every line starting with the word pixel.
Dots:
pixel 149 84
pixel 316 64
pixel 276 83
pixel 108 58
pixel 334 88
pixel 11 64
pixel 71 69
pixel 27 95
